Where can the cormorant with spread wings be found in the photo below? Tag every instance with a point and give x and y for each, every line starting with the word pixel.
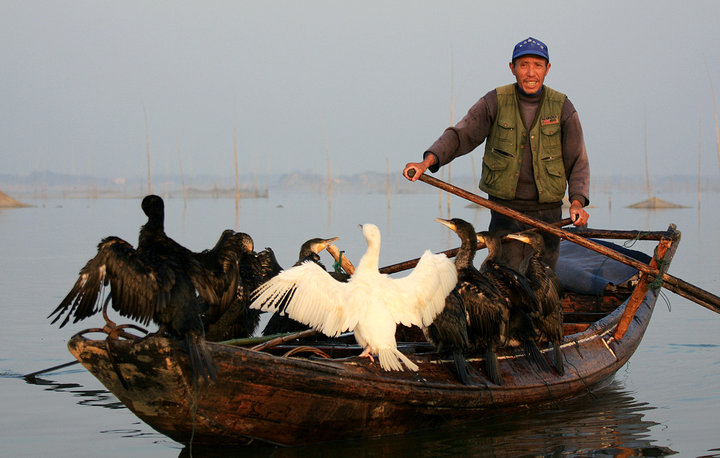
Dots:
pixel 159 282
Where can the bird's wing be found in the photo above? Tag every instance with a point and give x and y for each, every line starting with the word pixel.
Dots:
pixel 265 265
pixel 528 301
pixel 308 294
pixel 424 290
pixel 135 289
pixel 216 274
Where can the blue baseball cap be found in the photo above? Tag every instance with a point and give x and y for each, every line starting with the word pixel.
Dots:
pixel 531 46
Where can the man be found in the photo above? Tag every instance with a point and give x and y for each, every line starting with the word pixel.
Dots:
pixel 534 148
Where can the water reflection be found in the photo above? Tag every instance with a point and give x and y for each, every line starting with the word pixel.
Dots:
pixel 91 397
pixel 88 397
pixel 610 422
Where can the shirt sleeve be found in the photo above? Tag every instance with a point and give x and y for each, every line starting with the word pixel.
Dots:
pixel 575 158
pixel 466 135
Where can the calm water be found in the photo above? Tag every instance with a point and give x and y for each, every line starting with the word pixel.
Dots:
pixel 665 400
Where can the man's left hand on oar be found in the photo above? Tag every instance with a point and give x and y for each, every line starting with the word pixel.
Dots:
pixel 578 215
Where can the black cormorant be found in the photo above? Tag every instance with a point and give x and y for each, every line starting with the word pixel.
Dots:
pixel 548 319
pixel 234 319
pixel 523 302
pixel 159 282
pixel 486 311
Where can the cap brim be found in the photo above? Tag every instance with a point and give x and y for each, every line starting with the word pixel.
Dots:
pixel 530 53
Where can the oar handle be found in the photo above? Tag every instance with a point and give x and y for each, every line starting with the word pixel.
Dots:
pixel 698 295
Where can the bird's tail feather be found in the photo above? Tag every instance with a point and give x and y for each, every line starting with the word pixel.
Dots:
pixel 390 359
pixel 492 366
pixel 535 355
pixel 201 361
pixel 462 368
pixel 558 359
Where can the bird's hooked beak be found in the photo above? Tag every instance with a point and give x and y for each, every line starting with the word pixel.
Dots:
pixel 519 237
pixel 447 223
pixel 320 245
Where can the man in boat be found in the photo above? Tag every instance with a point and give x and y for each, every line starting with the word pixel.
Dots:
pixel 534 148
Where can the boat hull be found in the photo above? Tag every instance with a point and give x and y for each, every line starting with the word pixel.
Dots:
pixel 298 400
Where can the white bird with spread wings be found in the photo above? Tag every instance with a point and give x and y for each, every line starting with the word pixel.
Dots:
pixel 371 304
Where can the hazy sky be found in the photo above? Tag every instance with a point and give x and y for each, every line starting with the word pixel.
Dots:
pixel 372 80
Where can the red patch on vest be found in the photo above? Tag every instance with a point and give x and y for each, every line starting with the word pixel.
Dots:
pixel 549 120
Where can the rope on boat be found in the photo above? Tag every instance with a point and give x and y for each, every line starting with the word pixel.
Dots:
pixel 337 266
pixel 577 372
pixel 631 242
pixel 662 267
pixel 193 413
pixel 306 348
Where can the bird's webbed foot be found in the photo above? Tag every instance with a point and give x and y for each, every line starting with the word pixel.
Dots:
pixel 367 354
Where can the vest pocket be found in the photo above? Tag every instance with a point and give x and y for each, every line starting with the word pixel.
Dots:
pixel 504 135
pixel 551 137
pixel 555 176
pixel 495 162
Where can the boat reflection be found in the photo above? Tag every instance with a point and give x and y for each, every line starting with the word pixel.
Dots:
pixel 609 422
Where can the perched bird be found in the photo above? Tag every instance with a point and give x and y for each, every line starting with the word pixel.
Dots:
pixel 279 322
pixel 231 260
pixel 548 319
pixel 486 311
pixel 159 282
pixel 370 303
pixel 523 302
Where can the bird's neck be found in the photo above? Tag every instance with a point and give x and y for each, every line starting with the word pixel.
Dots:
pixel 465 255
pixel 369 260
pixel 150 230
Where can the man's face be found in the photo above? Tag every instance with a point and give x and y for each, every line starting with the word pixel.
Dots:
pixel 530 72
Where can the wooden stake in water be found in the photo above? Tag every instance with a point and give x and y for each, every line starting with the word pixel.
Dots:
pixel 182 176
pixel 717 129
pixel 237 176
pixel 647 170
pixel 147 148
pixel 699 153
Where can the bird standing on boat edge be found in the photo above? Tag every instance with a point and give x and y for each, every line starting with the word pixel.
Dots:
pixel 233 259
pixel 371 304
pixel 548 318
pixel 516 288
pixel 159 282
pixel 486 311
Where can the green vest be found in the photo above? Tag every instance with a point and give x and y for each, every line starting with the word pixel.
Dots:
pixel 506 141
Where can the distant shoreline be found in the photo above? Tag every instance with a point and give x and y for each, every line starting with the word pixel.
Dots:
pixel 8 202
pixel 42 185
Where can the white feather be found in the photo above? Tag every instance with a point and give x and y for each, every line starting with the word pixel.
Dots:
pixel 371 304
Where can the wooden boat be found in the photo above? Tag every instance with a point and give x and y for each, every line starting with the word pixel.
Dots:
pixel 300 392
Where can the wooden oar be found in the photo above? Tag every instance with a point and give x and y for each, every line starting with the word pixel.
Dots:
pixel 674 284
pixel 32 375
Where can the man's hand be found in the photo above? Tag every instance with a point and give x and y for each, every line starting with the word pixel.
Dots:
pixel 578 215
pixel 418 167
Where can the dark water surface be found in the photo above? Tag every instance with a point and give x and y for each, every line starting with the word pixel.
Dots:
pixel 665 400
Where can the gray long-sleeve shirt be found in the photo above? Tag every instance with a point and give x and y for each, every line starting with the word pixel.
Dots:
pixel 473 129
